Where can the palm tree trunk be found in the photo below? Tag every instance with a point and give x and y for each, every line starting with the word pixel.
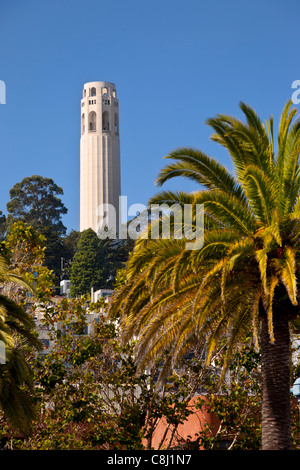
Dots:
pixel 276 411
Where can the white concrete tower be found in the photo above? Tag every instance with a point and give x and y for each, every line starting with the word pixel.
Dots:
pixel 100 181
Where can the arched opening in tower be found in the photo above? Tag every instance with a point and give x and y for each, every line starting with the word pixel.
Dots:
pixel 92 121
pixel 105 121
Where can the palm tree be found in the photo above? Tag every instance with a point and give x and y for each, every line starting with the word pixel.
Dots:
pixel 246 274
pixel 16 331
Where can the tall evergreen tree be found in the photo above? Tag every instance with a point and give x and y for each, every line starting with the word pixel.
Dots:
pixel 89 264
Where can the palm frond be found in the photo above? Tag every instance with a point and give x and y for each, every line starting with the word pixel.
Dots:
pixel 261 192
pixel 251 249
pixel 228 211
pixel 201 168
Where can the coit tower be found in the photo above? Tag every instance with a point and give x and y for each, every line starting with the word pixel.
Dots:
pixel 100 181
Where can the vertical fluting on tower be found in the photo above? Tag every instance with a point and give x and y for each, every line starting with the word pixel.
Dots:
pixel 100 179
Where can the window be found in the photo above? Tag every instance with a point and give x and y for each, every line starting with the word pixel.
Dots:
pixel 116 123
pixel 104 91
pixel 82 124
pixel 105 121
pixel 92 121
pixel 93 91
pixel 104 101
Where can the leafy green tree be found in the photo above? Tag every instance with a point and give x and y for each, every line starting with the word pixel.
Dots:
pixel 98 401
pixel 245 277
pixel 25 283
pixel 24 250
pixel 88 269
pixel 237 410
pixel 35 201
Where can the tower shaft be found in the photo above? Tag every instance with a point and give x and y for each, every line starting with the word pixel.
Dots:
pixel 100 182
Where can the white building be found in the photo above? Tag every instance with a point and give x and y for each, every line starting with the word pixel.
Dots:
pixel 105 293
pixel 65 286
pixel 100 180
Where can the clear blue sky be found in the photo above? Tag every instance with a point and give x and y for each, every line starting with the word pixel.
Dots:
pixel 175 63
